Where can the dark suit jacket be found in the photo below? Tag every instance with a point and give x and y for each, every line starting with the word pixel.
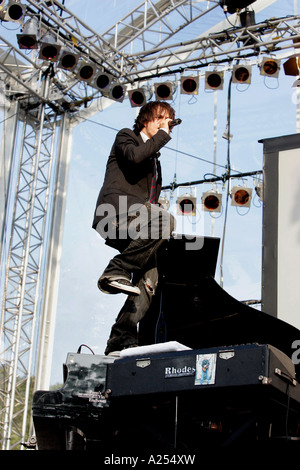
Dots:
pixel 129 170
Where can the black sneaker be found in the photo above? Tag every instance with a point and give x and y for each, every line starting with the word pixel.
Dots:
pixel 116 286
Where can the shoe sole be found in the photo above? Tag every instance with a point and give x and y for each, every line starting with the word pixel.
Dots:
pixel 126 289
pixel 112 291
pixel 118 289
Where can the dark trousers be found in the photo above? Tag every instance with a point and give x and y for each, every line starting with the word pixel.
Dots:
pixel 137 262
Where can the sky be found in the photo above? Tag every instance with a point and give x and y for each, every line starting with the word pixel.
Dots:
pixel 265 108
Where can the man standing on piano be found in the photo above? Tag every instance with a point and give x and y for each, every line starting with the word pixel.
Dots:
pixel 130 219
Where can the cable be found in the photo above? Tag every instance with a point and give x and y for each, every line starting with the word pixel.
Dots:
pixel 169 148
pixel 79 349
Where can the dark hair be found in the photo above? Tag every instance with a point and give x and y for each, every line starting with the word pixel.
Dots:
pixel 149 111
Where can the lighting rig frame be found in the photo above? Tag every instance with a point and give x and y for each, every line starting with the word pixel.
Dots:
pixel 126 69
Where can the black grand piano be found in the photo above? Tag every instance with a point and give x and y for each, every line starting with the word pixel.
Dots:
pixel 227 379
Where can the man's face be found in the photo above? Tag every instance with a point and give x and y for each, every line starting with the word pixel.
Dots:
pixel 159 121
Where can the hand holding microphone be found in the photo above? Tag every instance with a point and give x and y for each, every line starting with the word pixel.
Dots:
pixel 168 124
pixel 175 122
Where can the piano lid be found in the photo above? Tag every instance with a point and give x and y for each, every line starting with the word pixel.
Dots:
pixel 197 312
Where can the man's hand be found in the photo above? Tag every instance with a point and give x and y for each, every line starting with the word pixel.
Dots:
pixel 164 124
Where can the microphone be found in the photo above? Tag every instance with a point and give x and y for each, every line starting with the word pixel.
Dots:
pixel 175 122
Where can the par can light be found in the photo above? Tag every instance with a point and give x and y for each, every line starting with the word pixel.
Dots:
pixel 28 39
pixel 214 80
pixel 186 205
pixel 68 60
pixel 164 91
pixel 189 85
pixel 137 97
pixel 49 49
pixel 86 71
pixel 211 201
pixel 241 74
pixel 241 196
pixel 117 92
pixel 270 67
pixel 14 11
pixel 102 82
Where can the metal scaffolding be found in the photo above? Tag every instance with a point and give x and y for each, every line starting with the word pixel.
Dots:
pixel 42 103
pixel 27 225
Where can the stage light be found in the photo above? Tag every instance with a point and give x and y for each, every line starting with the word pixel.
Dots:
pixel 49 49
pixel 186 204
pixel 85 70
pixel 68 60
pixel 259 190
pixel 241 74
pixel 247 18
pixel 241 196
pixel 292 66
pixel 296 83
pixel 270 67
pixel 117 92
pixel 102 82
pixel 189 85
pixel 165 90
pixel 164 203
pixel 14 11
pixel 139 96
pixel 211 201
pixel 233 6
pixel 214 80
pixel 29 37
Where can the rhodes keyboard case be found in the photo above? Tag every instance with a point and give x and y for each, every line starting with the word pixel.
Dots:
pixel 245 365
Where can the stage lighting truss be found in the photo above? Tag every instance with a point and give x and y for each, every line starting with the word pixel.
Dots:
pixel 14 11
pixel 186 204
pixel 270 67
pixel 165 90
pixel 214 80
pixel 211 201
pixel 139 96
pixel 241 196
pixel 106 57
pixel 241 74
pixel 189 85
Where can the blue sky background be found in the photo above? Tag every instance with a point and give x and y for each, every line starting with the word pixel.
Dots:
pixel 265 108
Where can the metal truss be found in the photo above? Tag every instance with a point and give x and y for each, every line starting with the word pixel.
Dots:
pixel 153 24
pixel 137 48
pixel 227 46
pixel 26 259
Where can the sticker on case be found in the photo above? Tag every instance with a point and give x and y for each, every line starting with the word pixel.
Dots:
pixel 205 369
